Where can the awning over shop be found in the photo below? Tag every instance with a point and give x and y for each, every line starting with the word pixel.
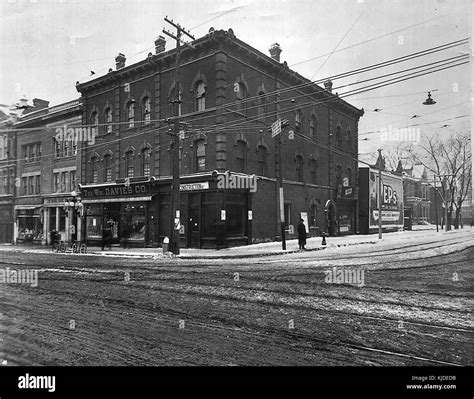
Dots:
pixel 112 200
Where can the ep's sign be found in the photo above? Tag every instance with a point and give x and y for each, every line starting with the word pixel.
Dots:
pixel 389 195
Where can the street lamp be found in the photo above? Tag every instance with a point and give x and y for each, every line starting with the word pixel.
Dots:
pixel 429 100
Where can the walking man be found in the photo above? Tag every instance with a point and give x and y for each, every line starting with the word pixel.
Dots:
pixel 302 235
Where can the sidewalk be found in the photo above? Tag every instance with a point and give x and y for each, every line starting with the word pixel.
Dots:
pixel 248 251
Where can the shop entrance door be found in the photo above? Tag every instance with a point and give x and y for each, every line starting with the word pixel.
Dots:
pixel 194 221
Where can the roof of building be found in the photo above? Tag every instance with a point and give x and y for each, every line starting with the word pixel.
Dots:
pixel 216 35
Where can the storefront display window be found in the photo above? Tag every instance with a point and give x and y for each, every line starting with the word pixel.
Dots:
pixel 132 222
pixel 30 226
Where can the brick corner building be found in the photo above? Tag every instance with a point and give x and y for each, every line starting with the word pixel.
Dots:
pixel 230 94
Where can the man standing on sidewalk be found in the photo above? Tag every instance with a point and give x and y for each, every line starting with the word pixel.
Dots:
pixel 302 235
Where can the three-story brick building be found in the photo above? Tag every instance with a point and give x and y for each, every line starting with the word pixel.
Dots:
pixel 230 94
pixel 47 165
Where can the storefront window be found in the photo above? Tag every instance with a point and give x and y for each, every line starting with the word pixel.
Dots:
pixel 132 221
pixel 94 221
pixel 30 226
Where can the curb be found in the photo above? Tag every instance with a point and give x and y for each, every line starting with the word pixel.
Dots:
pixel 160 255
pixel 243 256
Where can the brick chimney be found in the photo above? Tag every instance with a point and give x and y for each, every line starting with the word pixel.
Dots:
pixel 120 61
pixel 328 85
pixel 23 102
pixel 160 45
pixel 275 51
pixel 40 104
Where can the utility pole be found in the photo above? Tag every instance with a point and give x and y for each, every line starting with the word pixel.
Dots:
pixel 436 205
pixel 174 151
pixel 276 129
pixel 379 196
pixel 280 190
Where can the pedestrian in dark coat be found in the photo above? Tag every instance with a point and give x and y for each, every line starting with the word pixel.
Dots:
pixel 301 235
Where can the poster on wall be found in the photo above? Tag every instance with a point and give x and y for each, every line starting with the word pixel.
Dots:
pixel 392 201
pixel 304 216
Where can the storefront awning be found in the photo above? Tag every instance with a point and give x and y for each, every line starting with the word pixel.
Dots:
pixel 26 207
pixel 109 200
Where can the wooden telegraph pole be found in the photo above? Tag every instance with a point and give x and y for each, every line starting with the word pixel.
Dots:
pixel 175 197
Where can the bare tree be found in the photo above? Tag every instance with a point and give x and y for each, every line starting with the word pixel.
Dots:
pixel 449 158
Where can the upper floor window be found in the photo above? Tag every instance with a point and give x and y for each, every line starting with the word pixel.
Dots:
pixel 200 156
pixel 131 114
pixel 338 133
pixel 95 122
pixel 298 120
pixel 241 156
pixel 314 171
pixel 146 157
pixel 3 147
pixel 72 180
pixel 108 121
pixel 299 168
pixel 4 186
pixel 173 101
pixel 31 185
pixel 262 160
pixel 200 96
pixel 313 126
pixel 94 177
pixel 146 110
pixel 349 137
pixel 129 164
pixel 107 168
pixel 262 105
pixel 32 152
pixel 241 94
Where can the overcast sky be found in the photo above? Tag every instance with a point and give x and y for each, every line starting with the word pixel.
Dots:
pixel 48 45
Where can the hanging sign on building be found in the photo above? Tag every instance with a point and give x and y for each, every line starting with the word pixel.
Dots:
pixel 194 186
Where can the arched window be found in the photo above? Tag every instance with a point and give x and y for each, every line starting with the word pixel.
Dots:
pixel 200 99
pixel 313 126
pixel 262 105
pixel 241 95
pixel 95 122
pixel 131 114
pixel 262 160
pixel 108 120
pixel 241 156
pixel 107 168
pixel 298 120
pixel 299 168
pixel 349 137
pixel 339 133
pixel 146 110
pixel 173 100
pixel 129 164
pixel 314 171
pixel 200 155
pixel 146 157
pixel 94 177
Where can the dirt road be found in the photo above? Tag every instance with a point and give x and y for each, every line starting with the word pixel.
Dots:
pixel 412 308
